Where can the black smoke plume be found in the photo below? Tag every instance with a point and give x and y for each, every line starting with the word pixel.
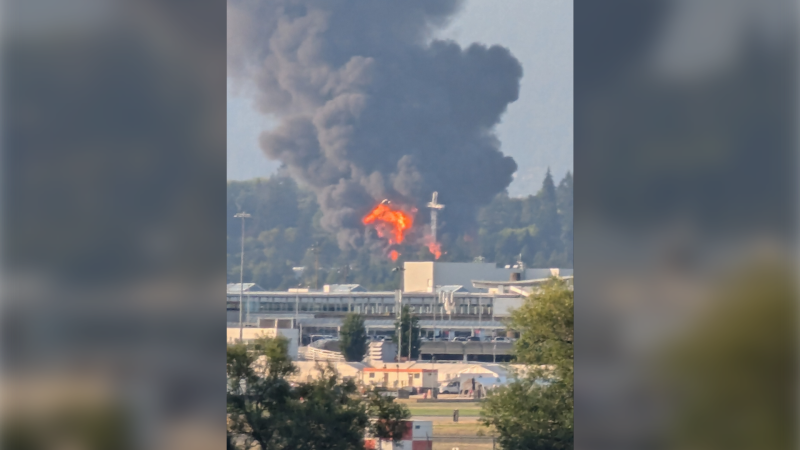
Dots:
pixel 371 107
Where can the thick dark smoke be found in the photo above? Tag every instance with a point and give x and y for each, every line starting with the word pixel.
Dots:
pixel 371 108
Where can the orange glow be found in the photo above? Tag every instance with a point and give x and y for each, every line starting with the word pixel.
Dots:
pixel 394 254
pixel 435 248
pixel 389 223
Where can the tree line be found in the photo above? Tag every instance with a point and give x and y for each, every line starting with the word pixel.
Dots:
pixel 284 232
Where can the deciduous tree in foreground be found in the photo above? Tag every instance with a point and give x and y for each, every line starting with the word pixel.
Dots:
pixel 268 412
pixel 535 412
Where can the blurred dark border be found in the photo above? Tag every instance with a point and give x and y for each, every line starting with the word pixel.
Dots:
pixel 686 224
pixel 113 191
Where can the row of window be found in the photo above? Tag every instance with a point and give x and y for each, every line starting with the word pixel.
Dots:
pixel 370 309
pixel 372 375
pixel 345 300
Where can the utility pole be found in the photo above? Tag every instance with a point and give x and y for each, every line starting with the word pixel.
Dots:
pixel 433 299
pixel 399 302
pixel 399 270
pixel 316 266
pixel 242 215
pixel 410 323
pixel 398 332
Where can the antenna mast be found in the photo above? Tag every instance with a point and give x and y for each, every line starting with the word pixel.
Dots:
pixel 435 206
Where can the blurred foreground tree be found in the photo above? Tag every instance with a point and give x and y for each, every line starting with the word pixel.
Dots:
pixel 353 338
pixel 732 378
pixel 388 416
pixel 535 411
pixel 267 411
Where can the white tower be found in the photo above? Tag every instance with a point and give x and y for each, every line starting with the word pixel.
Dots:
pixel 435 206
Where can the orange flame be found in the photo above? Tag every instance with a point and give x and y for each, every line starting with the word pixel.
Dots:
pixel 394 254
pixel 435 248
pixel 389 222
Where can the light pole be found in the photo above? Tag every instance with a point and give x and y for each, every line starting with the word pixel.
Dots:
pixel 399 331
pixel 410 322
pixel 242 215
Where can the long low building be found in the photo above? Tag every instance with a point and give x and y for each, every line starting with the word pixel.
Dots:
pixel 444 305
pixel 450 299
pixel 376 327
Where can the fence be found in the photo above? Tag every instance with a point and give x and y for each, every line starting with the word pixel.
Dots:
pixel 318 354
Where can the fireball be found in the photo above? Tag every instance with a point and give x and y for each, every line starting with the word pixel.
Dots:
pixel 389 222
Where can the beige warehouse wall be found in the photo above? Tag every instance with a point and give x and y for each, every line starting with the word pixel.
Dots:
pixel 417 276
pixel 426 379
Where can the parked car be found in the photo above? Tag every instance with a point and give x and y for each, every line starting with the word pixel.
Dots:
pixel 459 339
pixel 319 337
pixel 474 339
pixel 501 339
pixel 452 387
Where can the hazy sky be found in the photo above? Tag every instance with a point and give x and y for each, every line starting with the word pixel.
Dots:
pixel 536 130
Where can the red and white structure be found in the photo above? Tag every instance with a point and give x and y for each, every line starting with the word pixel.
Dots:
pixel 418 435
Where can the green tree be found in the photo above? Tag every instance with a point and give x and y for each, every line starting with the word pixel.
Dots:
pixel 535 411
pixel 539 227
pixel 408 323
pixel 388 416
pixel 353 338
pixel 737 364
pixel 265 411
pixel 547 220
pixel 564 196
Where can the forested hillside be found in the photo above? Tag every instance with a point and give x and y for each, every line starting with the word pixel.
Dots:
pixel 285 232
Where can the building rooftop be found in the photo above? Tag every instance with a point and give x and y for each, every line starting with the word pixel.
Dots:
pixel 234 288
pixel 451 288
pixel 343 288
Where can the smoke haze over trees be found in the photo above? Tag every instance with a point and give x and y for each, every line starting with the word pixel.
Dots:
pixel 285 231
pixel 369 107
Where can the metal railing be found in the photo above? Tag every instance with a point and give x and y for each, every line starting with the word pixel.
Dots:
pixel 316 354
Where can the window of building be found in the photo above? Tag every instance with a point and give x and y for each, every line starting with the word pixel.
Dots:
pixel 372 375
pixel 416 375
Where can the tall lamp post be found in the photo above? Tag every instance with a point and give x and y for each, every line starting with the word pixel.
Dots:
pixel 242 215
pixel 399 331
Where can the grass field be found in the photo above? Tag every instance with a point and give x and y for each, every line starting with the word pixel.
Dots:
pixel 466 430
pixel 446 432
pixel 439 409
pixel 443 408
